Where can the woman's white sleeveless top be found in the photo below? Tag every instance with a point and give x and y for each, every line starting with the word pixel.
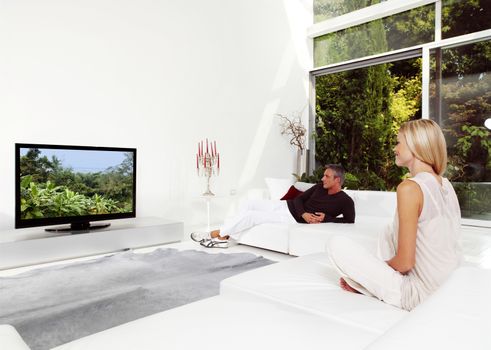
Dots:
pixel 438 251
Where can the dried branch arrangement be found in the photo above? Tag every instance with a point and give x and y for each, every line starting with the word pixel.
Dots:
pixel 293 127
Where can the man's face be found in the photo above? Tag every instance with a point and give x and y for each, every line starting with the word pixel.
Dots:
pixel 329 180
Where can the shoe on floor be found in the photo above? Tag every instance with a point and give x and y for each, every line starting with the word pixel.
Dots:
pixel 200 236
pixel 214 243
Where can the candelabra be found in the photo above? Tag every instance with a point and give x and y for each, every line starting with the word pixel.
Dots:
pixel 208 163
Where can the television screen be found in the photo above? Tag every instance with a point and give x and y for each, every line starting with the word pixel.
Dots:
pixel 73 184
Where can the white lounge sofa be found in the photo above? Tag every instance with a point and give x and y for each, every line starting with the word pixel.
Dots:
pixel 374 211
pixel 297 303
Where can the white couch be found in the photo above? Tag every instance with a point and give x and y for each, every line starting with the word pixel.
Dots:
pixel 297 304
pixel 374 211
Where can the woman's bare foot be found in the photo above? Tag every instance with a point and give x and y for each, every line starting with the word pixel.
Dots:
pixel 346 286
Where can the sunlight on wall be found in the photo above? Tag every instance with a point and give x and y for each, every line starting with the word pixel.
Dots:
pixel 258 142
pixel 284 68
pixel 300 17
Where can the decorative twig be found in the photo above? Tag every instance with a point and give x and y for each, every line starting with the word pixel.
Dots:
pixel 293 127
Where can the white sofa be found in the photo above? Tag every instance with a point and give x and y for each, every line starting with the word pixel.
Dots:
pixel 374 211
pixel 297 304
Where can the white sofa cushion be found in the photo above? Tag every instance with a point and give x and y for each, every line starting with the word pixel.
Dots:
pixel 10 339
pixel 456 316
pixel 310 284
pixel 224 323
pixel 278 187
pixel 302 186
pixel 374 203
pixel 308 239
pixel 374 211
pixel 304 239
pixel 267 236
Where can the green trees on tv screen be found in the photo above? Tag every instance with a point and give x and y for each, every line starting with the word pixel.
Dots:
pixel 48 189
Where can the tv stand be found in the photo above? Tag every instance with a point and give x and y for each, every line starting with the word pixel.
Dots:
pixel 32 246
pixel 78 227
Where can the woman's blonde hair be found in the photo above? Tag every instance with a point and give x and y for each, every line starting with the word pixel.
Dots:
pixel 426 142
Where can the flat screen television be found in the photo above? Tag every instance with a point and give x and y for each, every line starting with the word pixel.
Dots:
pixel 56 184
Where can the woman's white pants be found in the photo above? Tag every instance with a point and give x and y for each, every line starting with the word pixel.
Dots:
pixel 364 271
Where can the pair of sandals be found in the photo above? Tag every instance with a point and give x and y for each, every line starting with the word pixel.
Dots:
pixel 214 243
pixel 204 239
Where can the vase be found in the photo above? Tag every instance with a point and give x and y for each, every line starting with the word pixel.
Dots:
pixel 299 162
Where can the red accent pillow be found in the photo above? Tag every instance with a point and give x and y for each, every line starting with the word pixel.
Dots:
pixel 292 193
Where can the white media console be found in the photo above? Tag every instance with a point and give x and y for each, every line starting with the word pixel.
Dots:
pixel 31 246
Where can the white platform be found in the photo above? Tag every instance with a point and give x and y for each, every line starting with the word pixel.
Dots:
pixel 456 316
pixel 297 304
pixel 310 283
pixel 34 245
pixel 226 323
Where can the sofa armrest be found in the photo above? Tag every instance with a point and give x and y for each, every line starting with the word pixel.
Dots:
pixel 10 339
pixel 456 316
pixel 374 203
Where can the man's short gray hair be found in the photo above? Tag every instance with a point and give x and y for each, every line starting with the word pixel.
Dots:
pixel 338 171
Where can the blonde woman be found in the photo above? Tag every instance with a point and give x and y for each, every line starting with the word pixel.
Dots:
pixel 420 249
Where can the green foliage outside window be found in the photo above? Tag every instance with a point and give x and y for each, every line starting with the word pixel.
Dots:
pixel 461 17
pixel 325 9
pixel 462 90
pixel 405 29
pixel 358 114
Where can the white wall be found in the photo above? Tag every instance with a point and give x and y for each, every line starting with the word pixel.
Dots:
pixel 158 75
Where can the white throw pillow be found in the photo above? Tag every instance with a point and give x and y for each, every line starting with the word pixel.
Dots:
pixel 303 186
pixel 278 187
pixel 352 194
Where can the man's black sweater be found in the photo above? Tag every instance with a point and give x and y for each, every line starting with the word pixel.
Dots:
pixel 316 199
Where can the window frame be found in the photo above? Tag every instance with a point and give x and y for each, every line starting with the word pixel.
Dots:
pixel 371 13
pixel 364 15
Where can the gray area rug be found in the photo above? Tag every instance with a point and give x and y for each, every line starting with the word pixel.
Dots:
pixel 54 305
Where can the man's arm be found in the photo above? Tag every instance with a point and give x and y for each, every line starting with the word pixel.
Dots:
pixel 348 212
pixel 315 218
pixel 300 200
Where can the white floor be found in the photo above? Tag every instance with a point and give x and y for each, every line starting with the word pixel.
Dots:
pixel 185 244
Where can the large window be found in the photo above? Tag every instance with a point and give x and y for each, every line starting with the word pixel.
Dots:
pixel 461 102
pixel 363 93
pixel 325 9
pixel 358 113
pixel 461 17
pixel 405 29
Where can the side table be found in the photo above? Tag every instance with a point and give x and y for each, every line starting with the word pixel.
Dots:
pixel 208 200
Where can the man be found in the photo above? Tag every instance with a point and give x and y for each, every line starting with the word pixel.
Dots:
pixel 324 202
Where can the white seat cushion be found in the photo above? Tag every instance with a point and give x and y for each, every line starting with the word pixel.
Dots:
pixel 309 239
pixel 375 203
pixel 310 283
pixel 10 339
pixel 456 316
pixel 223 323
pixel 278 187
pixel 267 236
